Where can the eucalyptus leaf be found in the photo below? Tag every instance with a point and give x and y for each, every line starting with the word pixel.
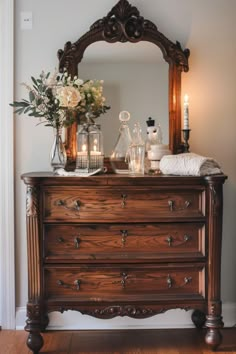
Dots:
pixel 31 96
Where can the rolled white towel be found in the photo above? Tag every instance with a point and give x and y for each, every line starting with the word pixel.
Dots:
pixel 189 164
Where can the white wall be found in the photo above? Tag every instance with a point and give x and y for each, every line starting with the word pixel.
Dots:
pixel 207 27
pixel 7 253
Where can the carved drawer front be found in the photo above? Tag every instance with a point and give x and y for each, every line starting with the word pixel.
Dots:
pixel 121 204
pixel 106 283
pixel 123 241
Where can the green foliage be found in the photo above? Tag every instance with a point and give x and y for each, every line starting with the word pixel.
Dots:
pixel 57 100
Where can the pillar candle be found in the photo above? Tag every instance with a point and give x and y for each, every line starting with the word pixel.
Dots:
pixel 186 112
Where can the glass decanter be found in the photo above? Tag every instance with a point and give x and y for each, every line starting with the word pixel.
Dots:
pixel 119 157
pixel 137 152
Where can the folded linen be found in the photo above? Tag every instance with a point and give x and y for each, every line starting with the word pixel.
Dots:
pixel 63 173
pixel 189 164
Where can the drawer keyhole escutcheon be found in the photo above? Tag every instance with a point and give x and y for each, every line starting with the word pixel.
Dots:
pixel 123 203
pixel 172 207
pixel 77 204
pixel 76 285
pixel 60 240
pixel 77 242
pixel 124 234
pixel 187 238
pixel 123 280
pixel 169 281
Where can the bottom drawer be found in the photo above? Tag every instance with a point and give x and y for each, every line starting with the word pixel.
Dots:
pixel 124 283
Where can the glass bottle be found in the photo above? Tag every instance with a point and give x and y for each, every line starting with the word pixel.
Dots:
pixel 119 157
pixel 137 152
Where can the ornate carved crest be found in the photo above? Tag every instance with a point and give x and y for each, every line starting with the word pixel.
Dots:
pixel 123 23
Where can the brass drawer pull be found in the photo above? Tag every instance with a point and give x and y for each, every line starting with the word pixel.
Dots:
pixel 170 240
pixel 62 203
pixel 60 240
pixel 76 285
pixel 171 204
pixel 123 203
pixel 77 241
pixel 124 234
pixel 187 280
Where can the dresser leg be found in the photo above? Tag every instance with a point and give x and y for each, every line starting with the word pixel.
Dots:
pixel 198 318
pixel 35 342
pixel 213 336
pixel 37 320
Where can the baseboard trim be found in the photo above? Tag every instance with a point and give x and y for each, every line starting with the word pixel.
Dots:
pixel 73 320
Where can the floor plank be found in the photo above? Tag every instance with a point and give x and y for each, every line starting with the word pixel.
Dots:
pixel 176 341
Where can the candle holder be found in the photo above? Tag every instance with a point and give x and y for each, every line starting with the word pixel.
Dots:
pixel 90 156
pixel 186 135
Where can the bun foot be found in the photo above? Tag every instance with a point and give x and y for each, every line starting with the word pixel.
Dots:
pixel 35 342
pixel 213 338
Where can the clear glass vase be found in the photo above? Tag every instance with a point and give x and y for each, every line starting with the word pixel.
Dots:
pixel 58 152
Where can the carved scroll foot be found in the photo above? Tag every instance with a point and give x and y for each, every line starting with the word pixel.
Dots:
pixel 35 342
pixel 198 318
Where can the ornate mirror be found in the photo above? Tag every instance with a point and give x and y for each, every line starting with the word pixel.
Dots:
pixel 125 35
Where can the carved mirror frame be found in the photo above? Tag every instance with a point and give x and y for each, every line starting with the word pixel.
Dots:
pixel 124 24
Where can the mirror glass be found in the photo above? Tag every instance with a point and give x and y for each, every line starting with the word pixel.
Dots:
pixel 135 79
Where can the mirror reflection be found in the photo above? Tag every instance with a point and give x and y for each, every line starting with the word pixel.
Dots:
pixel 135 79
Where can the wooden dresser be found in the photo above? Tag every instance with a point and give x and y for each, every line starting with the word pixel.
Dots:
pixel 113 245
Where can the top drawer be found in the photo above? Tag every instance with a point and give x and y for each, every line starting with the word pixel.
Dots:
pixel 121 204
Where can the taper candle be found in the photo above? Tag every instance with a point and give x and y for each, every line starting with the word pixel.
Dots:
pixel 186 112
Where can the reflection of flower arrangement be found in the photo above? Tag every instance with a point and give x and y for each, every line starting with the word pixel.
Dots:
pixel 58 100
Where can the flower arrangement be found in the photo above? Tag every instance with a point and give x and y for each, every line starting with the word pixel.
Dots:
pixel 59 100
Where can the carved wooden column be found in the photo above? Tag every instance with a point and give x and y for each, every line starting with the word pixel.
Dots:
pixel 214 318
pixel 36 320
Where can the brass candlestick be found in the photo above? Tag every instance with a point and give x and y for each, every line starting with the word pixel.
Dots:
pixel 186 135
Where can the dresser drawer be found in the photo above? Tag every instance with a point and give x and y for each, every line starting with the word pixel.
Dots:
pixel 123 241
pixel 106 283
pixel 126 204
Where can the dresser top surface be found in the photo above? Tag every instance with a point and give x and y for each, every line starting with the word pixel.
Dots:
pixel 49 178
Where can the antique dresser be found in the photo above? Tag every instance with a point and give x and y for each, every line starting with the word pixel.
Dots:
pixel 114 245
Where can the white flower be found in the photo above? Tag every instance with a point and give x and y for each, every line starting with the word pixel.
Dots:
pixel 78 82
pixel 68 96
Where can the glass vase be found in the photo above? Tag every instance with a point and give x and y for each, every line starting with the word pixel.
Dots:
pixel 58 152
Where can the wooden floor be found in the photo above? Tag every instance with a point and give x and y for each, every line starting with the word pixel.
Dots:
pixel 178 341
